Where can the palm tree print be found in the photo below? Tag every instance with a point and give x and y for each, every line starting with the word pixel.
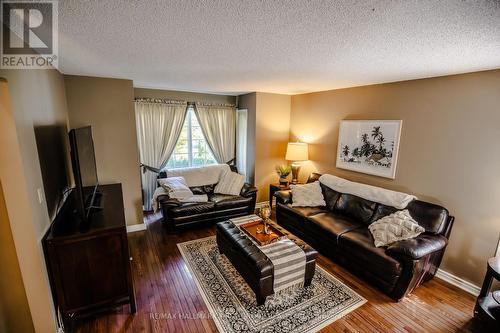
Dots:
pixel 364 138
pixel 372 149
pixel 380 141
pixel 356 152
pixel 376 132
pixel 345 150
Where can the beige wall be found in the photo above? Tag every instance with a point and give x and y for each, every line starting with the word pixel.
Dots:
pixel 183 95
pixel 449 150
pixel 15 314
pixel 31 98
pixel 268 134
pixel 107 105
pixel 272 125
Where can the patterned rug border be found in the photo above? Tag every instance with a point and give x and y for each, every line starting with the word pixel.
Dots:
pixel 213 311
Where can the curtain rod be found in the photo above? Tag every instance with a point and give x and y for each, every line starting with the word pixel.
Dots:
pixel 213 104
pixel 173 101
pixel 159 100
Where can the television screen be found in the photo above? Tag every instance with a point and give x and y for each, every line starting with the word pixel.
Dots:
pixel 52 145
pixel 86 156
pixel 84 168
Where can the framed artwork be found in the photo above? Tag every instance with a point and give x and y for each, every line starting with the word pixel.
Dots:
pixel 369 146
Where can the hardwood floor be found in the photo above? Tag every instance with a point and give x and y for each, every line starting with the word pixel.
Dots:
pixel 168 299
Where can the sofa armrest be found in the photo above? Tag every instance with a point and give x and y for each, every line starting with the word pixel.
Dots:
pixel 248 190
pixel 165 201
pixel 283 197
pixel 418 247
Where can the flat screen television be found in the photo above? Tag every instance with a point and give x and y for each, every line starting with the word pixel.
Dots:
pixel 84 169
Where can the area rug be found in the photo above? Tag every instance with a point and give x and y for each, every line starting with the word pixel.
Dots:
pixel 232 303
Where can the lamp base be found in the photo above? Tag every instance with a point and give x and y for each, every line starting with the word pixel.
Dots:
pixel 295 173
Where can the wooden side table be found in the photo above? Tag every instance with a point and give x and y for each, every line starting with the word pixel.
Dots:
pixel 272 189
pixel 277 187
pixel 487 307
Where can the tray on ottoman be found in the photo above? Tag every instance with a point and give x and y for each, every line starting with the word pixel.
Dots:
pixel 252 264
pixel 255 230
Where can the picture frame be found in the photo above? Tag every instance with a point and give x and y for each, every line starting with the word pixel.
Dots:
pixel 369 146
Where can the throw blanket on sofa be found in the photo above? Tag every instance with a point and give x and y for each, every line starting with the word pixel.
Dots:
pixel 200 176
pixel 288 259
pixel 395 199
pixel 160 190
pixel 176 187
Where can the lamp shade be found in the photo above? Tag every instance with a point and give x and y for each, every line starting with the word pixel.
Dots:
pixel 297 151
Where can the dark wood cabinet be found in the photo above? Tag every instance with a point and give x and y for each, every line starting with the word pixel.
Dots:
pixel 89 263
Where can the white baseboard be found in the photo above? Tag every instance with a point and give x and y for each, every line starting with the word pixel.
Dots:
pixel 458 282
pixel 136 227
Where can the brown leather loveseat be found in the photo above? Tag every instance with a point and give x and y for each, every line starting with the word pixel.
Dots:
pixel 220 207
pixel 340 231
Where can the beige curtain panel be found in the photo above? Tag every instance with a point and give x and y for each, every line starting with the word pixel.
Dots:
pixel 218 124
pixel 159 125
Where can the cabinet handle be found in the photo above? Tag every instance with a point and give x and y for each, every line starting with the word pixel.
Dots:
pixel 131 258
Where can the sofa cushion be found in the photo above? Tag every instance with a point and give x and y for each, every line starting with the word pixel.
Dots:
pixel 432 217
pixel 203 189
pixel 358 245
pixel 382 211
pixel 230 183
pixel 306 211
pixel 295 221
pixel 307 195
pixel 331 196
pixel 333 224
pixel 192 209
pixel 355 208
pixel 395 227
pixel 224 201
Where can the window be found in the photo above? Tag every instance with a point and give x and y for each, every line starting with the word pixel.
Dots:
pixel 191 148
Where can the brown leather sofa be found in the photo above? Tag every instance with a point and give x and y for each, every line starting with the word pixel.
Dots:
pixel 340 231
pixel 219 207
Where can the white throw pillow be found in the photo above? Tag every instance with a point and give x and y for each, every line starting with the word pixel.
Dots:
pixel 395 227
pixel 176 187
pixel 307 195
pixel 230 183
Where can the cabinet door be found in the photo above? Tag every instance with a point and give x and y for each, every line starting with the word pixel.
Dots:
pixel 92 271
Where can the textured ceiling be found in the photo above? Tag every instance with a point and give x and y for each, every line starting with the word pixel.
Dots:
pixel 230 46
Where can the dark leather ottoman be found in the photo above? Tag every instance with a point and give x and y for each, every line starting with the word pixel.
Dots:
pixel 252 263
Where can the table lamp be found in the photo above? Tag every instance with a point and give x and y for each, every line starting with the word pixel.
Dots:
pixel 295 152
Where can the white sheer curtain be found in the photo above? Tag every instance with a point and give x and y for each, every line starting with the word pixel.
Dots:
pixel 159 124
pixel 218 124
